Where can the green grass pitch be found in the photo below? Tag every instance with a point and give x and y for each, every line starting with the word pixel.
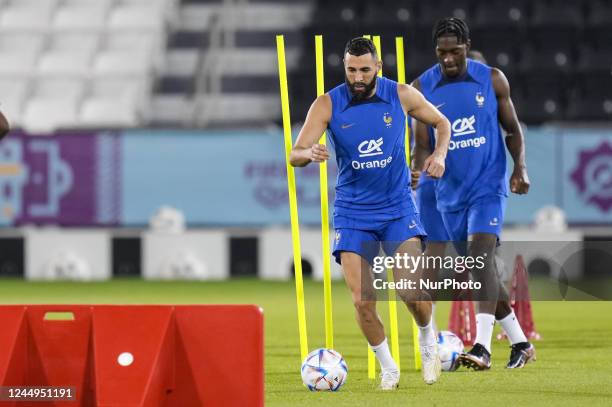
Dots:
pixel 574 364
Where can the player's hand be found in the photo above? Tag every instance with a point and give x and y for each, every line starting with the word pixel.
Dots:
pixel 434 165
pixel 519 181
pixel 319 153
pixel 414 179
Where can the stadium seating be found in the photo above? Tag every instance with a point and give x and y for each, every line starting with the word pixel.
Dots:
pixel 220 65
pixel 500 14
pixel 54 53
pixel 549 43
pixel 184 53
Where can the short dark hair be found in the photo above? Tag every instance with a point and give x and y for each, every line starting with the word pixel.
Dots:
pixel 451 26
pixel 360 46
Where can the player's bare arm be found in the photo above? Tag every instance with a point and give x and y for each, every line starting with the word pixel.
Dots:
pixel 515 141
pixel 307 148
pixel 417 106
pixel 420 152
pixel 4 126
pixel 421 149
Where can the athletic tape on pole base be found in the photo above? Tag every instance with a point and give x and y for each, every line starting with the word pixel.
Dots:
pixel 295 229
pixel 325 249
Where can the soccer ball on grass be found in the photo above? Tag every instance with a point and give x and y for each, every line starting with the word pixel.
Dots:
pixel 450 346
pixel 324 370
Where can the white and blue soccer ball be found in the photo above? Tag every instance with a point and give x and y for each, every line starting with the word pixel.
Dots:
pixel 450 346
pixel 324 370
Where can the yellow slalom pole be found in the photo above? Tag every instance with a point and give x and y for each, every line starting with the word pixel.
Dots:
pixel 376 41
pixel 327 293
pixel 371 356
pixel 295 226
pixel 393 327
pixel 415 344
pixel 401 78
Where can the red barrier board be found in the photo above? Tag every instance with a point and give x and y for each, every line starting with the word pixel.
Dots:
pixel 132 356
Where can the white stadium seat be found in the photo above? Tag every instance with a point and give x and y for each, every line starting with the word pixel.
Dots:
pixel 198 16
pixel 182 62
pixel 108 112
pixel 132 41
pixel 120 88
pixel 64 63
pixel 71 88
pixel 85 42
pixel 152 3
pixel 21 42
pixel 135 18
pixel 80 19
pixel 254 61
pixel 44 115
pixel 176 109
pixel 272 16
pixel 12 95
pixel 162 7
pixel 238 108
pixel 94 4
pixel 12 88
pixel 121 63
pixel 20 64
pixel 33 4
pixel 25 19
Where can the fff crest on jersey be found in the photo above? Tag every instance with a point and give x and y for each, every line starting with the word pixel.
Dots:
pixel 387 119
pixel 479 99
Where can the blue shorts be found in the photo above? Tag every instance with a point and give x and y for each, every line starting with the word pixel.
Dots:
pixel 430 215
pixel 484 216
pixel 366 243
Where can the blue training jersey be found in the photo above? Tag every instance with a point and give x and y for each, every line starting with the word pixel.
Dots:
pixel 368 137
pixel 476 160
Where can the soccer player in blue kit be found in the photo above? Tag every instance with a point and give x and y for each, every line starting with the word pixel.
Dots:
pixel 471 195
pixel 426 202
pixel 365 120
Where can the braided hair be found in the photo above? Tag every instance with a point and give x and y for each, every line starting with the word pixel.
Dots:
pixel 451 26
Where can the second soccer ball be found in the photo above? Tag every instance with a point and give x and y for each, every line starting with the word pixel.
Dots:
pixel 450 346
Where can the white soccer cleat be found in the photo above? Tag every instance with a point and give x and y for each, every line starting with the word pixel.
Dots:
pixel 389 379
pixel 430 363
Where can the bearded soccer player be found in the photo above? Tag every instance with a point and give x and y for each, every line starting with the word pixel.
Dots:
pixel 471 196
pixel 365 120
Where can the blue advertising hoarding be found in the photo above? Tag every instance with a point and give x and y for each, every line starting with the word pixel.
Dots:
pixel 238 178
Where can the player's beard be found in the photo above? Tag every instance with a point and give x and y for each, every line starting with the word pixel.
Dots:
pixel 365 93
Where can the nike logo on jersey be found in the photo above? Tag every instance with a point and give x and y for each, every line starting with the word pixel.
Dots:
pixel 412 225
pixel 494 222
pixel 346 126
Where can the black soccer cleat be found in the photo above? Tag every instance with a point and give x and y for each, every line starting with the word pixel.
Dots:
pixel 521 354
pixel 478 358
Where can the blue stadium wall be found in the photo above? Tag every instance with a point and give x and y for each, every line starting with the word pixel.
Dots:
pixel 237 178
